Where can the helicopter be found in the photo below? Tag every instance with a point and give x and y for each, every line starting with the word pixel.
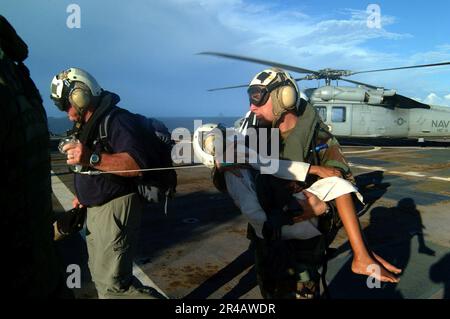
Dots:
pixel 364 111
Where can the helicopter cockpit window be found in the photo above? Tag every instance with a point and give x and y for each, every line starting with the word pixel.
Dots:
pixel 338 114
pixel 322 111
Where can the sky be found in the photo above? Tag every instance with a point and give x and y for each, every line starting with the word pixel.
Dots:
pixel 146 51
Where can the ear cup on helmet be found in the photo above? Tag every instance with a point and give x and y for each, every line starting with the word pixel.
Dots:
pixel 283 99
pixel 80 98
pixel 287 97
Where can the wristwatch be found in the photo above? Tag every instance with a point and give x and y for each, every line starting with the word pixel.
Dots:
pixel 94 159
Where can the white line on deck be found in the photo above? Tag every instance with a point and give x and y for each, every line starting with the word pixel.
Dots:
pixel 413 174
pixel 371 168
pixel 421 148
pixel 376 148
pixel 65 197
pixel 447 179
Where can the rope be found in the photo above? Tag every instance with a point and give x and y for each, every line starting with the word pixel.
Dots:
pixel 139 170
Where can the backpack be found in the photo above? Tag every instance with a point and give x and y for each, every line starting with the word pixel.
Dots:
pixel 154 186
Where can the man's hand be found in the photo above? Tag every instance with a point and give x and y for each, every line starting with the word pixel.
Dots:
pixel 76 203
pixel 324 171
pixel 312 207
pixel 77 154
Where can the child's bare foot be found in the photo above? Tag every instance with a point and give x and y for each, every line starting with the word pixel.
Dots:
pixel 387 265
pixel 362 267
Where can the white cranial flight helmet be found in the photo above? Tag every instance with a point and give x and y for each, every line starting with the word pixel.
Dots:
pixel 278 84
pixel 203 144
pixel 74 86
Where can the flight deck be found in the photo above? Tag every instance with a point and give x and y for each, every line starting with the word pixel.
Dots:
pixel 200 250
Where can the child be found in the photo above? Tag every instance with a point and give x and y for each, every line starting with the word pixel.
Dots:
pixel 240 185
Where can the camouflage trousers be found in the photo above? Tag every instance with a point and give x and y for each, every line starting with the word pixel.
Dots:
pixel 281 279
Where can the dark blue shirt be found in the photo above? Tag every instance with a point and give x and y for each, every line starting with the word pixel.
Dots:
pixel 124 135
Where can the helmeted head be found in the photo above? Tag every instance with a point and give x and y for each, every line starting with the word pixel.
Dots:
pixel 204 142
pixel 277 84
pixel 74 87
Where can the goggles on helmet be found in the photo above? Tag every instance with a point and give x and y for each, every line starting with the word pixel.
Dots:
pixel 59 93
pixel 259 94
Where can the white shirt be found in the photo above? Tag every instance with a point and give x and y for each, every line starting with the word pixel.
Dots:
pixel 242 191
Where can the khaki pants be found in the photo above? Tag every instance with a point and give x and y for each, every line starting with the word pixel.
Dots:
pixel 111 237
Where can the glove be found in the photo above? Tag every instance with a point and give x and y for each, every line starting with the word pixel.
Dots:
pixel 72 221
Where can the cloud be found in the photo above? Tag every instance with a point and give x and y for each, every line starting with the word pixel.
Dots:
pixel 294 35
pixel 434 99
pixel 342 41
pixel 440 53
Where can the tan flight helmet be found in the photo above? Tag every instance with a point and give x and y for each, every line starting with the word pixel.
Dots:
pixel 76 87
pixel 280 86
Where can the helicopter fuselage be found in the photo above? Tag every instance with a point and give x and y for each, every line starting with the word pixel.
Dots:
pixel 366 110
pixel 362 112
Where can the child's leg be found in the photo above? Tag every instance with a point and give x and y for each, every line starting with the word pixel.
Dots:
pixel 362 258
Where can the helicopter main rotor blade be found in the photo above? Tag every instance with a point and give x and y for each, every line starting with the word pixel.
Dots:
pixel 242 86
pixel 301 79
pixel 228 87
pixel 404 67
pixel 259 61
pixel 359 83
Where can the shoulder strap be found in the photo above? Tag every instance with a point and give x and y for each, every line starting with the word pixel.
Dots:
pixel 89 129
pixel 104 126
